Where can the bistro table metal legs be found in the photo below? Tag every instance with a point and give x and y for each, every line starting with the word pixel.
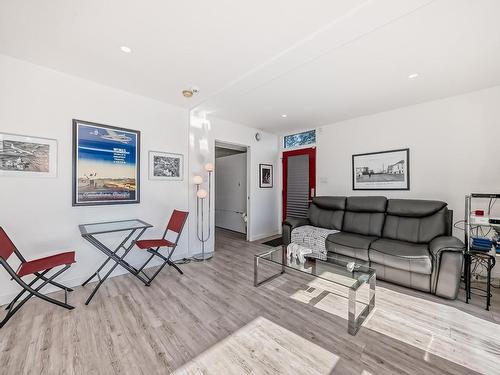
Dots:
pixel 113 255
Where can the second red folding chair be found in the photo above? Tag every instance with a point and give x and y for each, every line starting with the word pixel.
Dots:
pixel 38 268
pixel 175 225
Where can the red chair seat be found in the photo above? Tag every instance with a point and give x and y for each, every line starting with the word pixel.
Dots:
pixel 46 263
pixel 147 244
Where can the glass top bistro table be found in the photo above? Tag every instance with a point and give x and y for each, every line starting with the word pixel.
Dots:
pixel 331 270
pixel 132 230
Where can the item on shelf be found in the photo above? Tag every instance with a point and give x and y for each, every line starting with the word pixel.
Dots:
pixel 479 220
pixel 479 212
pixel 481 244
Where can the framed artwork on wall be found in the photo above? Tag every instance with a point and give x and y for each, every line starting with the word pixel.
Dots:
pixel 166 166
pixel 106 164
pixel 22 155
pixel 265 175
pixel 385 170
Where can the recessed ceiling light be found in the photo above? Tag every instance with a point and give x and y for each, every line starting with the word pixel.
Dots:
pixel 413 76
pixel 284 115
pixel 126 49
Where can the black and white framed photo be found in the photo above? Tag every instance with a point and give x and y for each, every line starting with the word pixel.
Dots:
pixel 106 164
pixel 166 166
pixel 385 170
pixel 265 175
pixel 26 156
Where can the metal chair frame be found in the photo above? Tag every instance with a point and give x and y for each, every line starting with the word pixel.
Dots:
pixel 166 259
pixel 12 307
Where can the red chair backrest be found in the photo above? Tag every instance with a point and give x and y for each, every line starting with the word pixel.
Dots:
pixel 177 221
pixel 6 245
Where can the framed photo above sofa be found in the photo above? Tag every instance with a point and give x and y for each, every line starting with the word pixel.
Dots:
pixel 384 170
pixel 165 166
pixel 106 164
pixel 265 175
pixel 26 156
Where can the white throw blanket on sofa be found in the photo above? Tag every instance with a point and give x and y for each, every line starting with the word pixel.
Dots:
pixel 313 238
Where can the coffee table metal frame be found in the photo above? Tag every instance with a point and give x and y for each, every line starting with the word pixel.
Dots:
pixel 286 264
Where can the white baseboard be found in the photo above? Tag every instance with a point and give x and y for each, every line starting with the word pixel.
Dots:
pixel 261 236
pixel 70 283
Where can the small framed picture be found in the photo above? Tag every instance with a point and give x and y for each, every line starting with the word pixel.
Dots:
pixel 385 170
pixel 166 166
pixel 265 175
pixel 25 156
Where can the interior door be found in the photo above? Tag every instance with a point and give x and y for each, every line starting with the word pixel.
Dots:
pixel 299 181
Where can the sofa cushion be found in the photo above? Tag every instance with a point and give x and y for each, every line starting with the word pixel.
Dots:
pixel 326 217
pixel 349 244
pixel 330 203
pixel 365 215
pixel 413 207
pixel 402 255
pixel 413 220
pixel 365 223
pixel 366 204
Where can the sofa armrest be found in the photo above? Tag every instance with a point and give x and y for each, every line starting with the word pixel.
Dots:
pixel 445 243
pixel 291 223
pixel 447 253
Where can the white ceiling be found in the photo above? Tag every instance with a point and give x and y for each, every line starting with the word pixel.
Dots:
pixel 318 61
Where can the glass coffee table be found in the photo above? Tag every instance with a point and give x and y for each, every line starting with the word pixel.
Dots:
pixel 331 270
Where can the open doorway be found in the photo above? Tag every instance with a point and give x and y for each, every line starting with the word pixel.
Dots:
pixel 231 189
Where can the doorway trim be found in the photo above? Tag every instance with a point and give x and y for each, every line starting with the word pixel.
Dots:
pixel 221 143
pixel 311 151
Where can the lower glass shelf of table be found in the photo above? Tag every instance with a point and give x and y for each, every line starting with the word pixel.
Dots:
pixel 331 270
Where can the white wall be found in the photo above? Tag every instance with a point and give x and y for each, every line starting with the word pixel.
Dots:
pixel 264 203
pixel 36 212
pixel 231 192
pixel 453 148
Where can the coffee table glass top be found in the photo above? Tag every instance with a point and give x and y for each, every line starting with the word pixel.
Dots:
pixel 112 226
pixel 333 270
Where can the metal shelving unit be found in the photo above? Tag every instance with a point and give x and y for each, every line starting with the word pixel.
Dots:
pixel 471 254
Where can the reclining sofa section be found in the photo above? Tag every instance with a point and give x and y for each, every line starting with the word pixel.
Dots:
pixel 408 242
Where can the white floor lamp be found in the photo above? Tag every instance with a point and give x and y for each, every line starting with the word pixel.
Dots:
pixel 201 195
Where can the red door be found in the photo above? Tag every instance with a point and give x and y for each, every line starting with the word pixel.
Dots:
pixel 299 181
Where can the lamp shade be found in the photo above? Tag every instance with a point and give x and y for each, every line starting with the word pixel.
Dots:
pixel 202 193
pixel 209 167
pixel 197 180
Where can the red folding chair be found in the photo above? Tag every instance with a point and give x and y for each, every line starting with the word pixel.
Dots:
pixel 39 268
pixel 175 224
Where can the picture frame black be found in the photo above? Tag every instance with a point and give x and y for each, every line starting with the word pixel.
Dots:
pixel 378 182
pixel 75 201
pixel 262 176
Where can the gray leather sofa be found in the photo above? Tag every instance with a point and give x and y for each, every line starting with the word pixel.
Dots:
pixel 408 242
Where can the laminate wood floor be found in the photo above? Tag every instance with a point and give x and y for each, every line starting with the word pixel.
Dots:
pixel 212 320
